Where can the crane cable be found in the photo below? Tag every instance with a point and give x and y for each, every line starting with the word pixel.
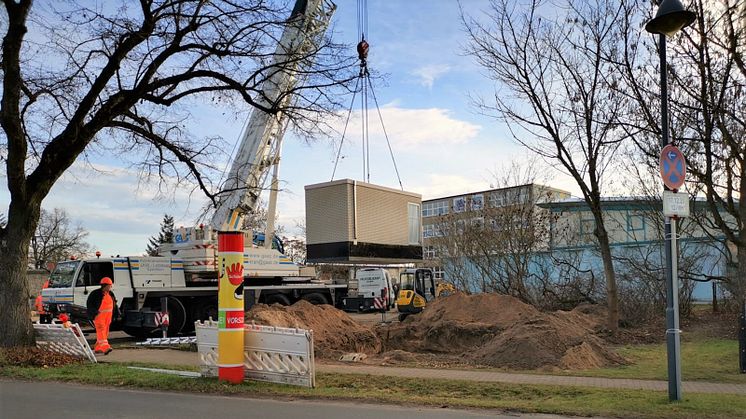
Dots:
pixel 366 85
pixel 385 134
pixel 344 132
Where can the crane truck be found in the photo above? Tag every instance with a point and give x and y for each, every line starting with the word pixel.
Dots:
pixel 184 274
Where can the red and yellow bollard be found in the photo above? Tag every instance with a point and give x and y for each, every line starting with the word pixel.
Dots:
pixel 230 307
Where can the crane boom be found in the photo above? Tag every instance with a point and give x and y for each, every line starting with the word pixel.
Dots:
pixel 261 140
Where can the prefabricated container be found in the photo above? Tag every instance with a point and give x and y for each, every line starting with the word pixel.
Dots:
pixel 348 221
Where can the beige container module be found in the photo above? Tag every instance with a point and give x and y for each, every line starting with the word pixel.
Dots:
pixel 348 221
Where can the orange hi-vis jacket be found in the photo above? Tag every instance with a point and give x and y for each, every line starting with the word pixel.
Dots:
pixel 102 322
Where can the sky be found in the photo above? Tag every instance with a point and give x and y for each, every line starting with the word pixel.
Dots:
pixel 442 146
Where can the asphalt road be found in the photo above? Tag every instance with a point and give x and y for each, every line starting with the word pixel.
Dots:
pixel 20 400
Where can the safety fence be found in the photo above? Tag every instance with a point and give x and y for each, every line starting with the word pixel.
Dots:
pixel 272 354
pixel 68 340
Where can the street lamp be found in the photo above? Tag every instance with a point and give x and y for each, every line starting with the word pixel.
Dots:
pixel 670 18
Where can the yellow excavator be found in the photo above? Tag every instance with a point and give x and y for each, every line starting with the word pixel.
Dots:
pixel 417 288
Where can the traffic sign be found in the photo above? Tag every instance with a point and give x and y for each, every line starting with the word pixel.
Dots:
pixel 672 166
pixel 675 204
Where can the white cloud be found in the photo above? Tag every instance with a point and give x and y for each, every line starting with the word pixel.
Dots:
pixel 412 128
pixel 118 212
pixel 427 74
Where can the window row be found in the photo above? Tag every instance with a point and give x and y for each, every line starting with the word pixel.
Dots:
pixel 475 202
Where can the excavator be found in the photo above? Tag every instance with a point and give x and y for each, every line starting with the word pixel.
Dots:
pixel 416 289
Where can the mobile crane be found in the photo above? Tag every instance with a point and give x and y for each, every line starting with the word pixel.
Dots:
pixel 185 272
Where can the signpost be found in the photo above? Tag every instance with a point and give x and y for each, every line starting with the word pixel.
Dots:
pixel 670 18
pixel 675 205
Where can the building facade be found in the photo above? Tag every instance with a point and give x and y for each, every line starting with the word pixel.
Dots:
pixel 461 215
pixel 492 240
pixel 635 226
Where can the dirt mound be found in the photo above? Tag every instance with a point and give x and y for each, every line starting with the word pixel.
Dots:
pixel 458 323
pixel 35 357
pixel 501 331
pixel 494 309
pixel 334 332
pixel 546 341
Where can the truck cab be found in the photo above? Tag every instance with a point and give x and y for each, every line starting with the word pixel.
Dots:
pixel 138 284
pixel 72 281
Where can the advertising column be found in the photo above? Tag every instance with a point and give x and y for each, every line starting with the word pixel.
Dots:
pixel 230 307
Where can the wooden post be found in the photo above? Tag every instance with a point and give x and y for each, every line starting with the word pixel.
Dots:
pixel 714 297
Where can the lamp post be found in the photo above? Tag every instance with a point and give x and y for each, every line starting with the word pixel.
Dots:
pixel 670 18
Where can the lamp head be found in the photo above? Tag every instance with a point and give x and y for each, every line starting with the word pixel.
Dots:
pixel 670 18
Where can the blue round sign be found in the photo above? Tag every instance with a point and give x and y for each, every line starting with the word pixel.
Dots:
pixel 672 167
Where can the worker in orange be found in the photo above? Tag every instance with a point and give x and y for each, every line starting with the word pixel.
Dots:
pixel 102 306
pixel 44 317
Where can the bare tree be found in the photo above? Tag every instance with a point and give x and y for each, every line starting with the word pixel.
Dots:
pixel 640 267
pixel 120 80
pixel 554 93
pixel 562 282
pixel 496 239
pixel 56 239
pixel 701 252
pixel 295 249
pixel 707 77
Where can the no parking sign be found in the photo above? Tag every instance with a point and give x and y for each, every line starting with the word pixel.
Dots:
pixel 672 167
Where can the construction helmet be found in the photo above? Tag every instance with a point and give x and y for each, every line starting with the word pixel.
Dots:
pixel 106 281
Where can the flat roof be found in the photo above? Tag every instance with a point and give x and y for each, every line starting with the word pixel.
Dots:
pixel 497 190
pixel 361 184
pixel 613 200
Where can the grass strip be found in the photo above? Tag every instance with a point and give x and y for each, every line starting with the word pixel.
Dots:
pixel 410 391
pixel 712 360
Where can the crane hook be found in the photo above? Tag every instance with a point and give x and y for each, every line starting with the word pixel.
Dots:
pixel 362 50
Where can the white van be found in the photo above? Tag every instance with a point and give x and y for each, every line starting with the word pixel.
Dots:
pixel 367 285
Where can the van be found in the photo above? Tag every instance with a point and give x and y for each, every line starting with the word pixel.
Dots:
pixel 368 284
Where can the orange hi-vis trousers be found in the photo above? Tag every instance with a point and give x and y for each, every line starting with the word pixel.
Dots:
pixel 102 322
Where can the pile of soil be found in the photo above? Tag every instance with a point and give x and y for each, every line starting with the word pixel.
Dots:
pixel 334 332
pixel 35 357
pixel 501 331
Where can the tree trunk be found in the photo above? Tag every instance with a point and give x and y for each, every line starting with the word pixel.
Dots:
pixel 612 297
pixel 15 314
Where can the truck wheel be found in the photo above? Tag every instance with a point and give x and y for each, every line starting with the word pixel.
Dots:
pixel 281 299
pixel 176 316
pixel 316 298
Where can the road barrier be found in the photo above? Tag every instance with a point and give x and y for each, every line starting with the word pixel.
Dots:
pixel 271 354
pixel 57 338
